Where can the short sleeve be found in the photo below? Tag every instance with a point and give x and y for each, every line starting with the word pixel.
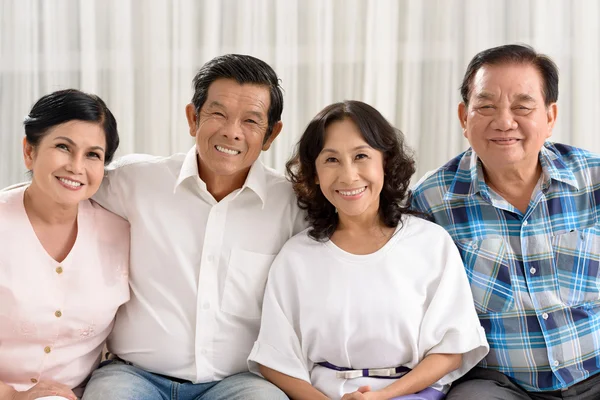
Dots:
pixel 278 346
pixel 450 324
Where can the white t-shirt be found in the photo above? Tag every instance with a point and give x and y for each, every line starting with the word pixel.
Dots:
pixel 198 267
pixel 390 308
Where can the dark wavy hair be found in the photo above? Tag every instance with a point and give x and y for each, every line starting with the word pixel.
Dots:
pixel 399 166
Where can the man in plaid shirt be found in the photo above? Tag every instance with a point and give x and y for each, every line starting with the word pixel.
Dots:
pixel 524 214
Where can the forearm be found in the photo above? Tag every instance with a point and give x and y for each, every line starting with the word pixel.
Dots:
pixel 6 392
pixel 430 370
pixel 295 388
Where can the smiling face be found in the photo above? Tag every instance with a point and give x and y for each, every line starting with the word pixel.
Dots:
pixel 506 121
pixel 230 129
pixel 68 162
pixel 349 171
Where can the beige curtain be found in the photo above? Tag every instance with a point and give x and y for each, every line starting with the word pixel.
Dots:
pixel 405 57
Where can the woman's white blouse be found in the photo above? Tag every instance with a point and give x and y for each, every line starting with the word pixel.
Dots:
pixel 409 299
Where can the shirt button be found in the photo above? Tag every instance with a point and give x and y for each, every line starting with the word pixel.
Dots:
pixel 47 349
pixel 532 270
pixel 545 315
pixel 525 223
pixel 33 380
pixel 203 352
pixel 211 258
pixel 59 270
pixel 475 247
pixel 58 314
pixel 555 363
pixel 206 305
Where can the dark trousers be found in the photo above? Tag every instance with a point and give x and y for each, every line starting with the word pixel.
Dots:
pixel 486 384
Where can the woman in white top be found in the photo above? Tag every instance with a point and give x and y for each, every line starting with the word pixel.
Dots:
pixel 64 259
pixel 370 302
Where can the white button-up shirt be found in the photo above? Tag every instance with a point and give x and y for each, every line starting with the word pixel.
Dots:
pixel 198 267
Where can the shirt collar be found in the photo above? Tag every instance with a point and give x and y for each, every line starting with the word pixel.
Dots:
pixel 189 168
pixel 255 181
pixel 469 179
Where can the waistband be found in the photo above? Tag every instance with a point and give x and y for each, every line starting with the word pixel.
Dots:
pixel 382 373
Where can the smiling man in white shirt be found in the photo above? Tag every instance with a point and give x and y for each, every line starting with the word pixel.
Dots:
pixel 205 227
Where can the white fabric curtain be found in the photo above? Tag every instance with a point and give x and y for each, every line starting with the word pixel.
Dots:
pixel 405 57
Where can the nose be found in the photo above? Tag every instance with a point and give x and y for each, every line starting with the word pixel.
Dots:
pixel 232 130
pixel 348 174
pixel 76 166
pixel 504 120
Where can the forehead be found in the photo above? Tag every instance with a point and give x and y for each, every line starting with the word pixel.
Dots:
pixel 343 133
pixel 83 133
pixel 231 94
pixel 508 80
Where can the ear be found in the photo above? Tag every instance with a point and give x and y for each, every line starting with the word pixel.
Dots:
pixel 192 118
pixel 28 154
pixel 462 117
pixel 276 130
pixel 551 114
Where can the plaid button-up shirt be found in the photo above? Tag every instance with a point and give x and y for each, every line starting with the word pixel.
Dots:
pixel 535 276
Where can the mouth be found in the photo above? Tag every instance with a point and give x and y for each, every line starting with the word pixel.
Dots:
pixel 225 150
pixel 69 183
pixel 504 141
pixel 352 192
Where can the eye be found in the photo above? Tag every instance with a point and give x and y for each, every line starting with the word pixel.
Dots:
pixel 487 107
pixel 330 160
pixel 251 121
pixel 361 156
pixel 93 154
pixel 62 146
pixel 218 114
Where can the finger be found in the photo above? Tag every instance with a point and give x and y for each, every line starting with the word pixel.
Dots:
pixel 364 389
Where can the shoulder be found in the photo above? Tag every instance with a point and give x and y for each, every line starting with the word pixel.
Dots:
pixel 440 177
pixel 299 249
pixel 133 164
pixel 430 190
pixel 426 231
pixel 108 225
pixel 575 158
pixel 11 200
pixel 277 182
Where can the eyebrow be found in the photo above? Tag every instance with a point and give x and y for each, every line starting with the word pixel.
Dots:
pixel 216 104
pixel 490 96
pixel 71 142
pixel 362 147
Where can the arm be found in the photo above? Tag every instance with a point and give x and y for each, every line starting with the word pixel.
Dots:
pixel 42 389
pixel 430 370
pixel 294 388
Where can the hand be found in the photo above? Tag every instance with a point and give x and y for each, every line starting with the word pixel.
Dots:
pixel 43 389
pixel 363 393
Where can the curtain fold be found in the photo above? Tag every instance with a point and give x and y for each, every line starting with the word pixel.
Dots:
pixel 404 57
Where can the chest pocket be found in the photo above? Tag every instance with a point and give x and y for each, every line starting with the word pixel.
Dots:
pixel 245 283
pixel 576 256
pixel 489 274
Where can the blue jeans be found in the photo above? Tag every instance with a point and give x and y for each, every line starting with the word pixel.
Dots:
pixel 120 381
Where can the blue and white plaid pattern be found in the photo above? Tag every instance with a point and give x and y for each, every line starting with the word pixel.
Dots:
pixel 535 276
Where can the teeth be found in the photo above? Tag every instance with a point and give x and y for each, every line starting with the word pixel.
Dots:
pixel 69 182
pixel 352 192
pixel 227 151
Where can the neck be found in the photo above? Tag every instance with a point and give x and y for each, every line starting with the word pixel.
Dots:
pixel 513 180
pixel 41 208
pixel 219 186
pixel 366 223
